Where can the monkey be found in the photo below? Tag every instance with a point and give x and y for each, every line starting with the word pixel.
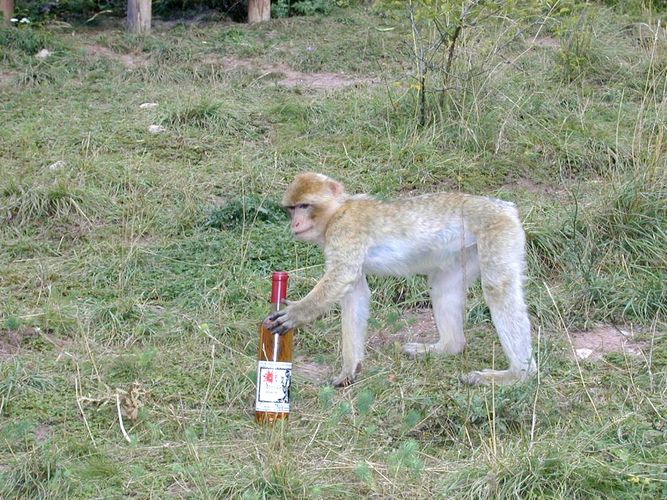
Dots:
pixel 452 238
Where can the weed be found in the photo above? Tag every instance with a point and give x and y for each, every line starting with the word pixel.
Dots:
pixel 246 210
pixel 17 380
pixel 27 40
pixel 406 457
pixel 286 8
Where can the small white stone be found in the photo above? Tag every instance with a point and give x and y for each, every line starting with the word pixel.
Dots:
pixel 584 353
pixel 57 165
pixel 148 105
pixel 43 54
pixel 156 129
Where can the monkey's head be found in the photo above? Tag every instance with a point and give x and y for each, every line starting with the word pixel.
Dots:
pixel 311 200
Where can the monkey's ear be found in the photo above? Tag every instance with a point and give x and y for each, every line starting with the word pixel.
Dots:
pixel 336 188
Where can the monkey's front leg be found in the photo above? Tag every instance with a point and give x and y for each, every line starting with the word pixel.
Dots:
pixel 354 311
pixel 325 294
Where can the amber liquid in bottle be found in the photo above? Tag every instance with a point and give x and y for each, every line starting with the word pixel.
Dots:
pixel 274 363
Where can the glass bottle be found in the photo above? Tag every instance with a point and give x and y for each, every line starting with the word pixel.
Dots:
pixel 274 363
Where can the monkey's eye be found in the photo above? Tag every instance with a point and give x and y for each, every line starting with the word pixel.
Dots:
pixel 303 206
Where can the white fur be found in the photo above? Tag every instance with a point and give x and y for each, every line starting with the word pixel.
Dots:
pixel 450 259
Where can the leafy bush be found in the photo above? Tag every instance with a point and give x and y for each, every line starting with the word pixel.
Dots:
pixel 286 8
pixel 236 9
pixel 38 10
pixel 245 210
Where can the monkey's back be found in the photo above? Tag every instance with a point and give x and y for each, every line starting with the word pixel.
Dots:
pixel 421 213
pixel 418 234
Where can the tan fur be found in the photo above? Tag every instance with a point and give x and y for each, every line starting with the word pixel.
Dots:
pixel 450 237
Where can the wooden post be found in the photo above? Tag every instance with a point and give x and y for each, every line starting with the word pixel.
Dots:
pixel 139 16
pixel 259 10
pixel 7 11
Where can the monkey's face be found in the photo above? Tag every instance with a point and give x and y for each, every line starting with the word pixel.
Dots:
pixel 303 225
pixel 311 201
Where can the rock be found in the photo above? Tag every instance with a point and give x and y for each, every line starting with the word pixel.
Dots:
pixel 156 129
pixel 57 165
pixel 43 54
pixel 148 105
pixel 584 353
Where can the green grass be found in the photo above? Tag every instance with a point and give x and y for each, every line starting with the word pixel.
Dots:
pixel 147 258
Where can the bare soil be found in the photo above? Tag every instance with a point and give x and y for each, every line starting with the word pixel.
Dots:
pixel 284 75
pixel 594 344
pixel 7 77
pixel 130 61
pixel 546 41
pixel 43 432
pixel 418 325
pixel 281 73
pixel 316 373
pixel 11 341
pixel 533 187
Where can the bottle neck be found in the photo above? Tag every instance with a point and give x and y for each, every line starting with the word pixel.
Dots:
pixel 276 306
pixel 278 290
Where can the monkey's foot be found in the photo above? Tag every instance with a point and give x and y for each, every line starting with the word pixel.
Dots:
pixel 347 376
pixel 416 349
pixel 342 381
pixel 497 377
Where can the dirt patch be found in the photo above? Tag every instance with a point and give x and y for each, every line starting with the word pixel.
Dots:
pixel 314 372
pixel 546 41
pixel 417 325
pixel 8 77
pixel 595 344
pixel 319 81
pixel 284 75
pixel 130 61
pixel 12 340
pixel 43 432
pixel 15 342
pixel 179 489
pixel 533 187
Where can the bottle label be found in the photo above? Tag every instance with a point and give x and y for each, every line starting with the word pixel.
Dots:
pixel 273 383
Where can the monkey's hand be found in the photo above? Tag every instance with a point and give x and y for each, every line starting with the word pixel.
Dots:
pixel 280 322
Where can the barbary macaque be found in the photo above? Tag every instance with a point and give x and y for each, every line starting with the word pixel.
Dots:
pixel 452 238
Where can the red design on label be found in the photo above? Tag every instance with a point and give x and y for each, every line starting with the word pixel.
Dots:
pixel 268 377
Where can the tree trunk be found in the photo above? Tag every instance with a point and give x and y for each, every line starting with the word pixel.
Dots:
pixel 139 16
pixel 8 11
pixel 259 10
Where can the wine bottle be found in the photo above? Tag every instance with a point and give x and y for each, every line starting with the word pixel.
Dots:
pixel 274 363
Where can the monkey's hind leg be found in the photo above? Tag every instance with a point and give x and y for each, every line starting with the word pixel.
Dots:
pixel 354 314
pixel 448 298
pixel 510 317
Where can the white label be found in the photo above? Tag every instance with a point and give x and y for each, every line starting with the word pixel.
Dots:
pixel 273 382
